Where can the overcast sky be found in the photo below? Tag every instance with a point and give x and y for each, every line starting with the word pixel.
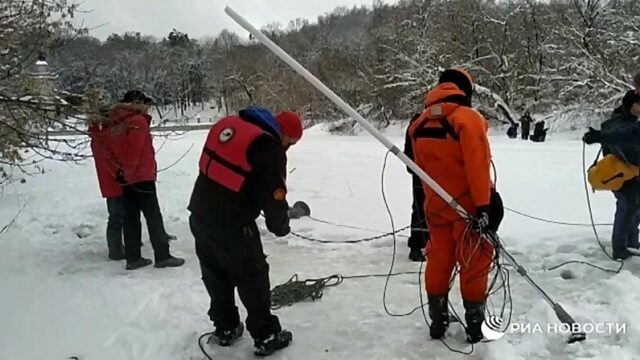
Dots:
pixel 198 18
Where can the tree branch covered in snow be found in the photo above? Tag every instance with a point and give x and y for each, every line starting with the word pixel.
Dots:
pixel 525 55
pixel 29 28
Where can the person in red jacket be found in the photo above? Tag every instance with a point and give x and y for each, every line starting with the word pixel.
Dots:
pixel 109 187
pixel 128 142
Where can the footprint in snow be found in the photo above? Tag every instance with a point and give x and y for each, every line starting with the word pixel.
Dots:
pixel 83 230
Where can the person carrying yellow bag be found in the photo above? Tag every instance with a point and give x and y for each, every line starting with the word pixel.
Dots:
pixel 618 171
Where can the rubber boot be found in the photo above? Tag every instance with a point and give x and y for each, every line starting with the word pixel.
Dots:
pixel 171 261
pixel 474 316
pixel 416 255
pixel 228 337
pixel 275 342
pixel 137 264
pixel 439 314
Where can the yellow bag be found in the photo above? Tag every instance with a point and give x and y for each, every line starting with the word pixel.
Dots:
pixel 610 173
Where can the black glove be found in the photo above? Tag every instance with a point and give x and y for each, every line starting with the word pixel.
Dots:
pixel 592 136
pixel 482 220
pixel 120 177
pixel 282 232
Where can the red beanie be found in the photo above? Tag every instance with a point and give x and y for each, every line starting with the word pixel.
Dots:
pixel 290 124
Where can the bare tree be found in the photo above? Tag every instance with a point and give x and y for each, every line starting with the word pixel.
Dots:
pixel 28 29
pixel 524 54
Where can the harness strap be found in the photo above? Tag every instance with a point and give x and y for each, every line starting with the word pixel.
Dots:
pixel 436 132
pixel 224 162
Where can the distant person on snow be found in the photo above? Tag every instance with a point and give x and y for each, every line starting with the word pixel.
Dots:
pixel 512 131
pixel 451 144
pixel 419 232
pixel 526 121
pixel 620 136
pixel 242 172
pixel 539 132
pixel 129 144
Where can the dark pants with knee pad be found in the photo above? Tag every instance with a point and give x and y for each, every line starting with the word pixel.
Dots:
pixel 232 257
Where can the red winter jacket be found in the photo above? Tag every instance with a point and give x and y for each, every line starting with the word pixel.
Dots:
pixel 105 168
pixel 128 136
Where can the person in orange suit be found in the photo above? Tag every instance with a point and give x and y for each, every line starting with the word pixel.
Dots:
pixel 451 145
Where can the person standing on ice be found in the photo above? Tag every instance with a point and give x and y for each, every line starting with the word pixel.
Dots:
pixel 242 172
pixel 419 231
pixel 620 137
pixel 110 189
pixel 526 121
pixel 451 145
pixel 512 131
pixel 130 146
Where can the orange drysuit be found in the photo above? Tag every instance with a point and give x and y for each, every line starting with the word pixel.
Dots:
pixel 450 144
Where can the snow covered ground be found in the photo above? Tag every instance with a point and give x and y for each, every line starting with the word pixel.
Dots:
pixel 62 298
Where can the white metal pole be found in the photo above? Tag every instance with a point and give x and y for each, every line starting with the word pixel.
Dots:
pixel 346 108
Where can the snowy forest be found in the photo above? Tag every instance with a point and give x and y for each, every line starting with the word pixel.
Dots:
pixel 534 55
pixel 558 55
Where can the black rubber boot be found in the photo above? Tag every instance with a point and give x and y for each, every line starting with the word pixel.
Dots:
pixel 273 343
pixel 170 262
pixel 474 316
pixel 439 314
pixel 228 337
pixel 416 255
pixel 623 254
pixel 137 264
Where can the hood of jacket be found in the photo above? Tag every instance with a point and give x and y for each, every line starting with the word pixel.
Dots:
pixel 444 99
pixel 122 111
pixel 262 118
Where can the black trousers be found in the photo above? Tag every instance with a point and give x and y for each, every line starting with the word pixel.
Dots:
pixel 419 231
pixel 626 221
pixel 142 197
pixel 115 207
pixel 233 258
